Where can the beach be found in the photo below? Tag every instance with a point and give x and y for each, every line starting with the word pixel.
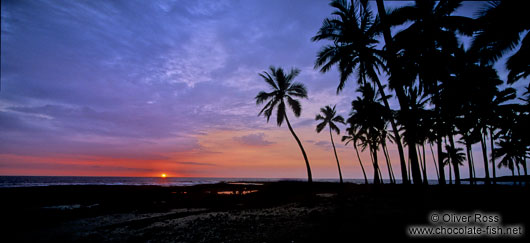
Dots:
pixel 247 212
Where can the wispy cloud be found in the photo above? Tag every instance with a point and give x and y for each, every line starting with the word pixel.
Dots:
pixel 196 163
pixel 255 139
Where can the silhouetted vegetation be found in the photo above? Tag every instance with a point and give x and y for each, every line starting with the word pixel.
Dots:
pixel 449 95
pixel 283 90
pixel 329 117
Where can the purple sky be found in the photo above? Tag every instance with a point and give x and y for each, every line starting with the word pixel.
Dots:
pixel 147 80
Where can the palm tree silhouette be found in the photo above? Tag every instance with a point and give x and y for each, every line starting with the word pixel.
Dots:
pixel 353 32
pixel 501 25
pixel 454 157
pixel 284 88
pixel 354 138
pixel 424 49
pixel 370 117
pixel 513 145
pixel 384 136
pixel 328 116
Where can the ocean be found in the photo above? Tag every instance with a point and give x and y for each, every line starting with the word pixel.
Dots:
pixel 31 181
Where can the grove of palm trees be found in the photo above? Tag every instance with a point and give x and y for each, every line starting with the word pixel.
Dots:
pixel 427 83
pixel 377 121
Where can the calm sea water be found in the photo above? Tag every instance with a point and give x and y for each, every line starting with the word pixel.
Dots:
pixel 29 181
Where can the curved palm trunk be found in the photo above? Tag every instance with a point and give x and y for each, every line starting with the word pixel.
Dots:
pixel 420 162
pixel 434 161
pixel 335 151
pixel 455 163
pixel 414 164
pixel 524 167
pixel 399 90
pixel 395 131
pixel 425 179
pixel 492 157
pixel 362 167
pixel 485 157
pixel 450 175
pixel 473 163
pixel 441 177
pixel 376 166
pixel 470 163
pixel 309 176
pixel 389 167
pixel 389 162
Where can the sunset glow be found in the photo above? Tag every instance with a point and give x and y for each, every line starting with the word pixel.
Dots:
pixel 163 175
pixel 91 90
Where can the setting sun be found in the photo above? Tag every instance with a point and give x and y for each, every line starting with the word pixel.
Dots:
pixel 163 175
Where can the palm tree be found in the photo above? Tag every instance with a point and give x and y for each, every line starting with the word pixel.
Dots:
pixel 416 113
pixel 354 32
pixel 284 89
pixel 424 49
pixel 501 25
pixel 384 136
pixel 511 152
pixel 354 138
pixel 328 116
pixel 469 136
pixel 454 157
pixel 513 146
pixel 370 117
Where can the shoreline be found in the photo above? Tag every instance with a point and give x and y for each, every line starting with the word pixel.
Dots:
pixel 271 212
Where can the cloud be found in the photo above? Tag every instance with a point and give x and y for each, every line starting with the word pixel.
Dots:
pixel 255 139
pixel 143 79
pixel 195 163
pixel 323 144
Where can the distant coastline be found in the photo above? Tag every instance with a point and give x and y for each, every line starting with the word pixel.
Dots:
pixel 36 181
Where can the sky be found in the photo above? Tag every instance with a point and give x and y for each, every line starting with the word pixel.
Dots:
pixel 140 88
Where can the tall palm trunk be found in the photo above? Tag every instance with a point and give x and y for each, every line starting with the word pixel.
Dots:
pixel 308 167
pixel 524 167
pixel 492 157
pixel 377 179
pixel 399 90
pixel 388 166
pixel 470 163
pixel 360 162
pixel 439 135
pixel 485 157
pixel 473 163
pixel 434 161
pixel 394 128
pixel 335 151
pixel 455 163
pixel 420 160
pixel 389 162
pixel 414 164
pixel 441 177
pixel 450 176
pixel 425 179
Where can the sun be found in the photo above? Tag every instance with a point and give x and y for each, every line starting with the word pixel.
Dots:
pixel 163 175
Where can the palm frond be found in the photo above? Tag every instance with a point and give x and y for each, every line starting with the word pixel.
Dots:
pixel 321 126
pixel 280 115
pixel 295 106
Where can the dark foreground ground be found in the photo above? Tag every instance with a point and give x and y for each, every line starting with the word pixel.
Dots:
pixel 271 212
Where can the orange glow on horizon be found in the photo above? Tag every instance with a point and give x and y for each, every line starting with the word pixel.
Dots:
pixel 163 175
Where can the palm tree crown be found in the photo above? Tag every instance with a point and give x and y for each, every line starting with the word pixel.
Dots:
pixel 353 32
pixel 329 117
pixel 283 89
